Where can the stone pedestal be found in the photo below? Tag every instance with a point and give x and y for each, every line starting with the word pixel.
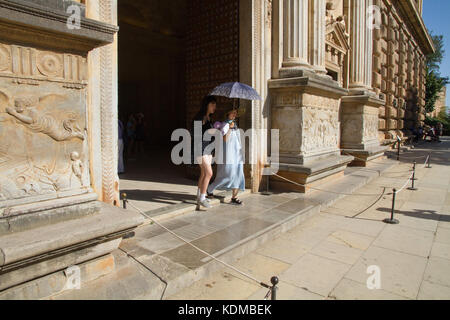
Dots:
pixel 360 123
pixel 50 217
pixel 306 111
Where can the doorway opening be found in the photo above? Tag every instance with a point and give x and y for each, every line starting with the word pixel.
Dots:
pixel 152 55
pixel 171 54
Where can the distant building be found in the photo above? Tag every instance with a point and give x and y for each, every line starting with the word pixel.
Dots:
pixel 440 103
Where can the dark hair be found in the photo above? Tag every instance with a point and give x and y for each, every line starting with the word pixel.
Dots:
pixel 204 108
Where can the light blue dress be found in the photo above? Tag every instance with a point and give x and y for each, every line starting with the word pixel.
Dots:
pixel 230 174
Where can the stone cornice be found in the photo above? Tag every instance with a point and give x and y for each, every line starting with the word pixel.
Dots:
pixel 364 99
pixel 416 24
pixel 26 23
pixel 312 84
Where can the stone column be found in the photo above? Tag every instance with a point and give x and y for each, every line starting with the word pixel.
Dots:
pixel 317 55
pixel 368 44
pixel 360 110
pixel 361 41
pixel 295 34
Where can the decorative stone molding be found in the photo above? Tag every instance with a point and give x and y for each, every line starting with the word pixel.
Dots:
pixel 337 47
pixel 25 22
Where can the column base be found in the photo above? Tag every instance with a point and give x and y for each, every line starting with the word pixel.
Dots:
pixel 364 157
pixel 360 127
pixel 311 175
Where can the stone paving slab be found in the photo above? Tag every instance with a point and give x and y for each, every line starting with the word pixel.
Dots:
pixel 317 250
pixel 407 240
pixel 318 275
pixel 352 290
pixel 329 255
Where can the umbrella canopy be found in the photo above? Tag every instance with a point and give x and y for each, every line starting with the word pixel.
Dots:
pixel 236 90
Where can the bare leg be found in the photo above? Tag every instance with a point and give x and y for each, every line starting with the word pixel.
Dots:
pixel 207 174
pixel 235 193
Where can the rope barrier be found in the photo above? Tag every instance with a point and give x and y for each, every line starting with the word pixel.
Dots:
pixel 248 276
pixel 404 186
pixel 327 191
pixel 275 280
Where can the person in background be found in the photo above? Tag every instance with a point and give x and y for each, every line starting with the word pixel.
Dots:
pixel 230 174
pixel 140 133
pixel 121 167
pixel 203 118
pixel 440 130
pixel 131 134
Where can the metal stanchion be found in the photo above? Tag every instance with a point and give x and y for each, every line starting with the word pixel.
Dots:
pixel 125 200
pixel 429 162
pixel 399 146
pixel 413 179
pixel 274 288
pixel 414 170
pixel 392 220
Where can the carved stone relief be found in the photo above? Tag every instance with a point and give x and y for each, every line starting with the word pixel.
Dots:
pixel 320 130
pixel 43 136
pixel 289 122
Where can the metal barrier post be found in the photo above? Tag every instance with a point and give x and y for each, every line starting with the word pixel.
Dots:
pixel 398 149
pixel 125 200
pixel 274 288
pixel 414 170
pixel 392 220
pixel 429 162
pixel 413 179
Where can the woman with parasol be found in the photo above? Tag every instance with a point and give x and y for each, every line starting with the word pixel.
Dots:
pixel 230 172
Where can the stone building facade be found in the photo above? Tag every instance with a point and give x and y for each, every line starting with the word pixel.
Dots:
pixel 336 87
pixel 441 103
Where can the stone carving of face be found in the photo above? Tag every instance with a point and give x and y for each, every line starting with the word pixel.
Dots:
pixel 74 156
pixel 22 104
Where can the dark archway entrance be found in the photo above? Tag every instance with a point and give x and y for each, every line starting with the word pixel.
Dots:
pixel 171 54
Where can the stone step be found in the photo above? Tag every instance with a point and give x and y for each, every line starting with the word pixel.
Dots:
pixel 180 209
pixel 156 265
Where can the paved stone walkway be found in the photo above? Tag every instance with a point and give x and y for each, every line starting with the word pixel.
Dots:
pixel 327 257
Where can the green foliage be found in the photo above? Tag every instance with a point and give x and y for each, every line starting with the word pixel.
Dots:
pixel 443 118
pixel 434 60
pixel 434 82
pixel 434 86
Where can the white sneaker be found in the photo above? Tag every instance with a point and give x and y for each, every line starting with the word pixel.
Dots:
pixel 205 203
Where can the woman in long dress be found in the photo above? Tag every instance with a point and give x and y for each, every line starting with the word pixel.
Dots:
pixel 230 172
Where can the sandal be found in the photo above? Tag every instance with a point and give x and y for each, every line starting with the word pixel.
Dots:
pixel 210 195
pixel 236 201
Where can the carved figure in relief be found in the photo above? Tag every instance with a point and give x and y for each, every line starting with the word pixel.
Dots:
pixel 371 126
pixel 25 111
pixel 77 166
pixel 39 163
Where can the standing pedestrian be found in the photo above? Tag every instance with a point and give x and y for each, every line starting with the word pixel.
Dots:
pixel 230 173
pixel 204 160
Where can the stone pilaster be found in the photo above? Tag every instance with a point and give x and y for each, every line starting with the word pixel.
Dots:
pixel 368 44
pixel 358 45
pixel 317 40
pixel 360 110
pixel 295 36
